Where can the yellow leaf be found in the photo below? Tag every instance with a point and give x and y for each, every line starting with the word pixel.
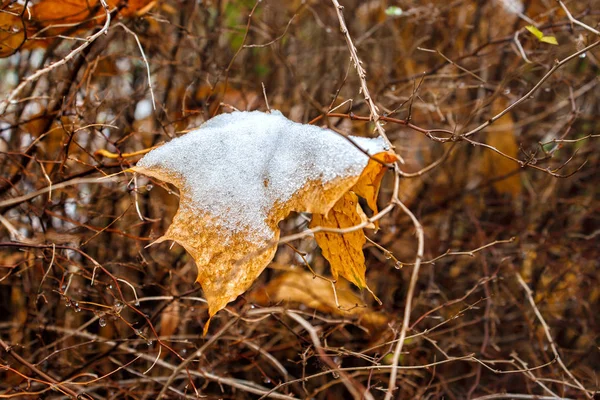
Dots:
pixel 540 36
pixel 317 293
pixel 46 19
pixel 239 175
pixel 343 251
pixel 535 31
pixel 504 139
pixel 550 40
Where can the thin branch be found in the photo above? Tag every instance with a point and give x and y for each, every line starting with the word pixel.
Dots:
pixel 195 356
pixel 576 21
pixel 551 71
pixel 361 76
pixel 53 382
pixel 137 39
pixel 15 92
pixel 357 390
pixel 72 182
pixel 409 296
pixel 529 294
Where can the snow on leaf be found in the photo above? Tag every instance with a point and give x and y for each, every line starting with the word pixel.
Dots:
pixel 239 175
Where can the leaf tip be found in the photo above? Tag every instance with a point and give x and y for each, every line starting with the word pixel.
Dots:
pixel 206 326
pixel 535 31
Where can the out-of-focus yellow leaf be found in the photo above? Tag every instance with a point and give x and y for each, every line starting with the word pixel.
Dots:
pixel 495 165
pixel 540 35
pixel 535 31
pixel 317 293
pixel 550 40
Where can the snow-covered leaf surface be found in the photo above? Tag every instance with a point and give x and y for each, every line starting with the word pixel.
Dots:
pixel 239 175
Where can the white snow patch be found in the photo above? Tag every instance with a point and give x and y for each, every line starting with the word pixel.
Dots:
pixel 513 6
pixel 143 109
pixel 227 161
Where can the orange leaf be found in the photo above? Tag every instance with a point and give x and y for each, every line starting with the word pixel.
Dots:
pixel 368 184
pixel 343 251
pixel 12 29
pixel 54 17
pixel 495 165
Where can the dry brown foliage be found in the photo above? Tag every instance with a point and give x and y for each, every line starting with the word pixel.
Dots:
pixel 498 190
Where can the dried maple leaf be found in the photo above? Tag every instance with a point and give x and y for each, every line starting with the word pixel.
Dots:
pixel 239 175
pixel 368 184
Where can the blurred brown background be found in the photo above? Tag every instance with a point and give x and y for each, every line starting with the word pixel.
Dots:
pixel 443 65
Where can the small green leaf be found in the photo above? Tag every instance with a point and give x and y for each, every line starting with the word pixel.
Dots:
pixel 535 31
pixel 550 40
pixel 393 11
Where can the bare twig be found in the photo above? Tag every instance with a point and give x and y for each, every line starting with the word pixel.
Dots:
pixel 357 390
pixel 89 40
pixel 194 356
pixel 53 382
pixel 29 196
pixel 529 294
pixel 576 21
pixel 361 75
pixel 408 302
pixel 551 71
pixel 137 39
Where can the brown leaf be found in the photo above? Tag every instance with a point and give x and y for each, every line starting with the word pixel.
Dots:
pixel 344 251
pixel 12 29
pixel 170 319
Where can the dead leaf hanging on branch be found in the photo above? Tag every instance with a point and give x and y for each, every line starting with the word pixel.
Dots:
pixel 43 21
pixel 240 174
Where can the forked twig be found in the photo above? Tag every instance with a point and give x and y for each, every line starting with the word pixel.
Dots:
pixel 409 296
pixel 361 76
